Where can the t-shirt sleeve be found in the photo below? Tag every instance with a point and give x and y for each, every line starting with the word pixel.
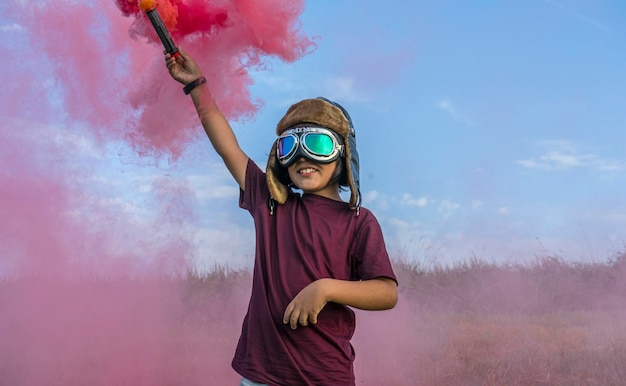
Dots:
pixel 371 259
pixel 256 188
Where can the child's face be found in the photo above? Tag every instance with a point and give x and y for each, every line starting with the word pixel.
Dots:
pixel 313 177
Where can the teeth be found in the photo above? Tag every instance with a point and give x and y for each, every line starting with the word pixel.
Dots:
pixel 306 171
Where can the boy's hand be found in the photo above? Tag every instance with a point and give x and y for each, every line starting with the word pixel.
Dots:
pixel 182 68
pixel 307 304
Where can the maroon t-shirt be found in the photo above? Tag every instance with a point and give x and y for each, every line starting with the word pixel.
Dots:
pixel 308 238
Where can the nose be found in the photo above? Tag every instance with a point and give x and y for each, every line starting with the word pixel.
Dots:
pixel 300 159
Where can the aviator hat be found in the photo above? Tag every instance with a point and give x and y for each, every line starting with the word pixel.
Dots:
pixel 325 113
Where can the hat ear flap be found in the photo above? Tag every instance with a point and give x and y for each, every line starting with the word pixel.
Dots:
pixel 351 157
pixel 352 164
pixel 278 191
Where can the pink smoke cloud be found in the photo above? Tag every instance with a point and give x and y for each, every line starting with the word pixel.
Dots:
pixel 94 72
pixel 105 60
pixel 85 268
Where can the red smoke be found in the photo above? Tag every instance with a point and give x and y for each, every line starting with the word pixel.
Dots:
pixel 86 267
pixel 85 79
pixel 106 62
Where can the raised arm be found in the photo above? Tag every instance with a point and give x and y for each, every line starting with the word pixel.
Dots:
pixel 185 70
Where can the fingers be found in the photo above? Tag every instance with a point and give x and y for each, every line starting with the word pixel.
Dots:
pixel 169 62
pixel 293 321
pixel 295 316
pixel 183 53
pixel 291 316
pixel 177 58
pixel 181 57
pixel 168 57
pixel 287 313
pixel 304 320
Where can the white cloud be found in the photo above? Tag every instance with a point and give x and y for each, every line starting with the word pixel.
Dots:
pixel 293 87
pixel 477 204
pixel 370 196
pixel 11 27
pixel 396 222
pixel 610 165
pixel 405 236
pixel 504 210
pixel 343 88
pixel 217 185
pixel 560 155
pixel 555 160
pixel 229 246
pixel 408 199
pixel 447 106
pixel 286 82
pixel 580 16
pixel 445 207
pixel 373 200
pixel 448 207
pixel 567 160
pixel 67 140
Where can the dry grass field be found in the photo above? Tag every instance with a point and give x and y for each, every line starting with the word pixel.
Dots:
pixel 546 323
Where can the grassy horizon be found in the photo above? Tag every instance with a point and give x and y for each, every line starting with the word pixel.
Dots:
pixel 549 322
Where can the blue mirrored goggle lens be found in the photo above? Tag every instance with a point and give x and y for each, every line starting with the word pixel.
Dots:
pixel 286 145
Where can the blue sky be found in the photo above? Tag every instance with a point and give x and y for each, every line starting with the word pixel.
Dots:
pixel 489 128
pixel 492 129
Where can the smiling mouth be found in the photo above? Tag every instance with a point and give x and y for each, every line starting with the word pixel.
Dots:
pixel 306 171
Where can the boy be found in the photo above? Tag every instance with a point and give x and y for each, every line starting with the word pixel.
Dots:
pixel 316 255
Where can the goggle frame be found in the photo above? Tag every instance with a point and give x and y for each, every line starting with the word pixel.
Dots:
pixel 300 147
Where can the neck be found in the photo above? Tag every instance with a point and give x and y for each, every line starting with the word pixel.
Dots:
pixel 331 191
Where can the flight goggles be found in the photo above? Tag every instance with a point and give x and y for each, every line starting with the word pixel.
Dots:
pixel 317 144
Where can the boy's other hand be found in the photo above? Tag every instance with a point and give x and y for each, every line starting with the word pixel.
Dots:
pixel 307 304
